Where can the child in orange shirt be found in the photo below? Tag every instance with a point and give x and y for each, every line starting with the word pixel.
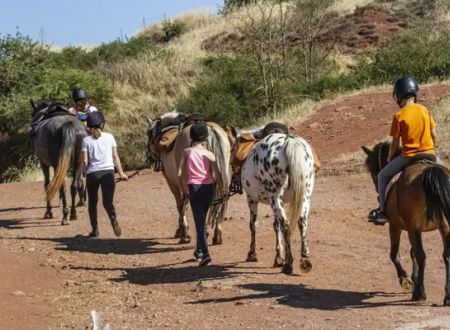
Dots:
pixel 414 127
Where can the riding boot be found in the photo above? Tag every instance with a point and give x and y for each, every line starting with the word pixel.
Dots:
pixel 94 224
pixel 116 226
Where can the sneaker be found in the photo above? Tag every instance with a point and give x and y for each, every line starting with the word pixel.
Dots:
pixel 116 228
pixel 94 234
pixel 381 218
pixel 206 260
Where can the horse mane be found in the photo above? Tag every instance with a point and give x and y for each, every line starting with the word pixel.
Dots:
pixel 377 160
pixel 169 119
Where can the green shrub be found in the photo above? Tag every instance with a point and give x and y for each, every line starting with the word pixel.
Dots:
pixel 173 29
pixel 230 93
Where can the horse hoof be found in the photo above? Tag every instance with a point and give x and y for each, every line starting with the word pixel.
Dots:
pixel 305 266
pixel 185 240
pixel 48 215
pixel 177 233
pixel 251 257
pixel 73 217
pixel 64 222
pixel 287 269
pixel 80 204
pixel 279 262
pixel 419 297
pixel 217 240
pixel 407 285
pixel 447 302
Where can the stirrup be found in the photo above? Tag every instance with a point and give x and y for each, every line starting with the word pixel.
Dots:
pixel 373 214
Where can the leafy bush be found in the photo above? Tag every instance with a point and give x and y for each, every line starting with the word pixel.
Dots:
pixel 229 93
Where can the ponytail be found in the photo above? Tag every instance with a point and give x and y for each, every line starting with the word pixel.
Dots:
pixel 95 132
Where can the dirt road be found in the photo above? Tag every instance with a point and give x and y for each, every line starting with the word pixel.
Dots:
pixel 51 276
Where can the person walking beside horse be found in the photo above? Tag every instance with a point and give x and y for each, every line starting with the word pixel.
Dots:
pixel 99 154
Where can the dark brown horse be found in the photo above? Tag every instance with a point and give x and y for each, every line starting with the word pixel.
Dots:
pixel 418 202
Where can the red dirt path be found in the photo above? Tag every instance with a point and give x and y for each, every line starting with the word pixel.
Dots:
pixel 146 280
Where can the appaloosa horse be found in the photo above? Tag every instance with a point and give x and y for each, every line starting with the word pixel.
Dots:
pixel 280 169
pixel 419 201
pixel 57 144
pixel 217 143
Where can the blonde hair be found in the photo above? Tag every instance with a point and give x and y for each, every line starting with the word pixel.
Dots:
pixel 95 132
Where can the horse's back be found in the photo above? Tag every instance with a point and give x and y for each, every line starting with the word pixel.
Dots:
pixel 48 139
pixel 408 199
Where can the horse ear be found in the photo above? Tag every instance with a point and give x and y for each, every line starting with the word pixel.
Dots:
pixel 366 150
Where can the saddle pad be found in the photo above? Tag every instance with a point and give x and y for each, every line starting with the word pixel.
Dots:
pixel 167 140
pixel 391 183
pixel 243 149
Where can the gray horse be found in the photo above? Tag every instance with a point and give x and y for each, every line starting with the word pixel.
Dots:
pixel 57 143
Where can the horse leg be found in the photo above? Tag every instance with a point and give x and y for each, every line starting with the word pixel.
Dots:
pixel 216 220
pixel 418 257
pixel 280 217
pixel 394 234
pixel 46 171
pixel 305 263
pixel 73 195
pixel 446 256
pixel 62 197
pixel 253 207
pixel 183 226
pixel 279 243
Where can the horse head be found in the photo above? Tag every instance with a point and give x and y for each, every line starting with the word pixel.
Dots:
pixel 376 159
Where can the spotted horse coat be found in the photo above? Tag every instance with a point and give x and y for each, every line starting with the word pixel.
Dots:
pixel 280 169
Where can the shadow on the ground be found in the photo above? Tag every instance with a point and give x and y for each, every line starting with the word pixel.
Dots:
pixel 24 223
pixel 21 208
pixel 301 296
pixel 126 246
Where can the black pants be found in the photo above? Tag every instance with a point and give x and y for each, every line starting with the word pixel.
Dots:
pixel 94 180
pixel 200 196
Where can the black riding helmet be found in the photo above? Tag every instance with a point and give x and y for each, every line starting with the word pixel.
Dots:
pixel 405 87
pixel 79 94
pixel 199 132
pixel 95 119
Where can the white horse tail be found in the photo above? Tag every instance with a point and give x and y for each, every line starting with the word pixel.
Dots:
pixel 65 156
pixel 296 158
pixel 218 144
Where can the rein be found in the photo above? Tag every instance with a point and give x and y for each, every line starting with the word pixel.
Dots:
pixel 129 177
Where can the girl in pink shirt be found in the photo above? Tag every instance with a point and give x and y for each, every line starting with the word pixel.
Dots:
pixel 196 173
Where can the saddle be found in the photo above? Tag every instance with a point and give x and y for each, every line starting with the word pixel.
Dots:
pixel 53 110
pixel 164 138
pixel 424 158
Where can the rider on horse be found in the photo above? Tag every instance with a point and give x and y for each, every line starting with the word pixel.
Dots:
pixel 82 106
pixel 414 127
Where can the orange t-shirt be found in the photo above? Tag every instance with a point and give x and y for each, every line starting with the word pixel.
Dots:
pixel 413 124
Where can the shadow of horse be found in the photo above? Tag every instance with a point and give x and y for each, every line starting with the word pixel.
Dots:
pixel 21 208
pixel 301 296
pixel 23 223
pixel 108 246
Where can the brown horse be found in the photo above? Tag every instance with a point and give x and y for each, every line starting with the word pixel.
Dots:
pixel 419 201
pixel 217 143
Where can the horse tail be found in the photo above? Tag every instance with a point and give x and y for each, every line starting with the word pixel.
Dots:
pixel 217 144
pixel 296 158
pixel 436 185
pixel 68 139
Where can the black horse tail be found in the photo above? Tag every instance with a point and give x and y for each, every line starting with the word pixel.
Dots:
pixel 436 185
pixel 68 140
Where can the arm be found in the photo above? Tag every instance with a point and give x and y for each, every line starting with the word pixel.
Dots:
pixel 393 148
pixel 84 162
pixel 118 164
pixel 434 136
pixel 183 175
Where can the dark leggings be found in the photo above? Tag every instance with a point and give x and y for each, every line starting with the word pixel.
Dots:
pixel 200 196
pixel 105 179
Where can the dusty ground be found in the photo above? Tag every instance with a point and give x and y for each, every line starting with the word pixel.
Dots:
pixel 51 276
